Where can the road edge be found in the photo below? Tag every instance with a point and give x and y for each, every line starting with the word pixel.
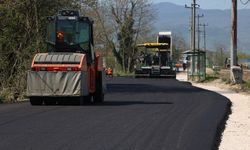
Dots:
pixel 222 126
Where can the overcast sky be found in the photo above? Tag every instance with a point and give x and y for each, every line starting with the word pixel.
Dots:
pixel 207 4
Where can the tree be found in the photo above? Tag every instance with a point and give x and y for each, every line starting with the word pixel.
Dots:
pixel 179 46
pixel 131 18
pixel 22 33
pixel 220 55
pixel 123 23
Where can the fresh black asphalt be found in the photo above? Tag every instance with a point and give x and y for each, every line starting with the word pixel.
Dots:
pixel 138 114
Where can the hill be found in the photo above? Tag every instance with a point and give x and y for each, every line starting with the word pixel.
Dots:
pixel 176 18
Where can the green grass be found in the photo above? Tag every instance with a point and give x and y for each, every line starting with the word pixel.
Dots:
pixel 6 95
pixel 246 86
pixel 123 74
pixel 1 99
pixel 226 80
pixel 210 78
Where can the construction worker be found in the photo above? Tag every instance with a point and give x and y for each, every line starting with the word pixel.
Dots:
pixel 109 72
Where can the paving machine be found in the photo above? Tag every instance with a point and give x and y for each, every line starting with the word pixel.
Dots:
pixel 156 58
pixel 71 71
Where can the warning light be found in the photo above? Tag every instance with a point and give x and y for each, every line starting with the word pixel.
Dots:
pixel 69 13
pixel 60 35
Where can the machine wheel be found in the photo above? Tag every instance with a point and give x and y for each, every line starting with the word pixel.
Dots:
pixel 62 102
pixel 85 100
pixel 50 101
pixel 172 77
pixel 74 101
pixel 66 100
pixel 98 96
pixel 36 101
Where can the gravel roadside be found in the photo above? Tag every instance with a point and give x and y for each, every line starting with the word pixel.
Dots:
pixel 236 135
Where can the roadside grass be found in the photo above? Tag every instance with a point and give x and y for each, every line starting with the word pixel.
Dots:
pixel 226 80
pixel 210 78
pixel 211 75
pixel 123 74
pixel 246 86
pixel 6 96
pixel 224 76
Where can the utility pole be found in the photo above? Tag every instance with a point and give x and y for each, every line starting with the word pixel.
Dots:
pixel 204 34
pixel 193 8
pixel 191 27
pixel 236 72
pixel 190 31
pixel 193 45
pixel 198 30
pixel 198 41
pixel 234 34
pixel 194 22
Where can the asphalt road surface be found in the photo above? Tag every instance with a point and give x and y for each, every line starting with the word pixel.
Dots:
pixel 138 114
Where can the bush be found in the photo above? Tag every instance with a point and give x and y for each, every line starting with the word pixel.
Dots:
pixel 246 86
pixel 6 96
pixel 1 99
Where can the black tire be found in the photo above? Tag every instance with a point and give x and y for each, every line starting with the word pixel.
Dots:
pixel 85 100
pixel 36 101
pixel 66 100
pixel 173 77
pixel 98 96
pixel 50 101
pixel 62 102
pixel 75 101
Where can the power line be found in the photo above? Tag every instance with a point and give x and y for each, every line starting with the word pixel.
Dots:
pixel 244 3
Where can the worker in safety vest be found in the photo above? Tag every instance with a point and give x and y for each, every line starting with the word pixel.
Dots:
pixel 109 71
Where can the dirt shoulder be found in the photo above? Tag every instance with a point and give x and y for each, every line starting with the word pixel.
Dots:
pixel 237 132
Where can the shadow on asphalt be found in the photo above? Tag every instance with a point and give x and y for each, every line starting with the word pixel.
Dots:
pixel 185 87
pixel 115 103
pixel 123 103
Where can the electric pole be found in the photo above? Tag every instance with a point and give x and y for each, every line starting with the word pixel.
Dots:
pixel 234 34
pixel 194 22
pixel 205 34
pixel 198 41
pixel 198 30
pixel 235 72
pixel 191 30
pixel 191 27
pixel 193 7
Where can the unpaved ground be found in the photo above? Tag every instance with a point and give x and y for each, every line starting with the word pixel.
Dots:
pixel 237 133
